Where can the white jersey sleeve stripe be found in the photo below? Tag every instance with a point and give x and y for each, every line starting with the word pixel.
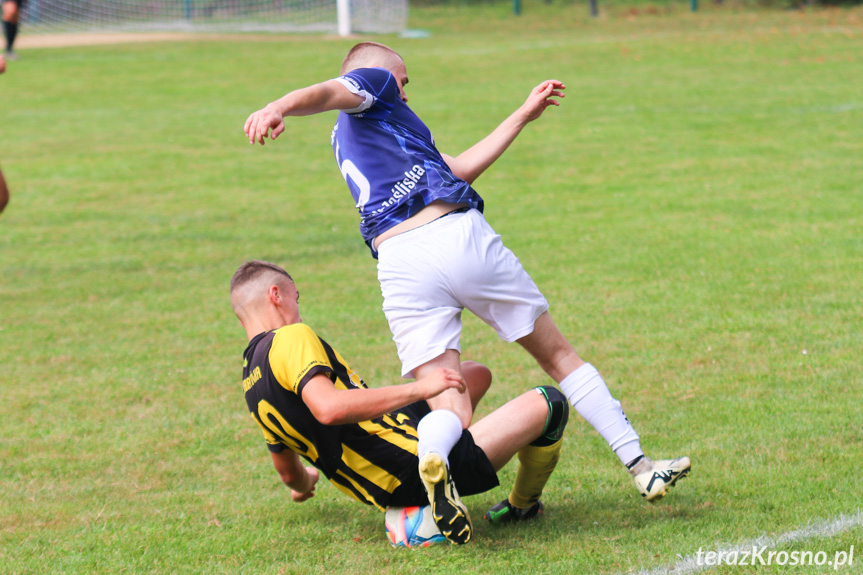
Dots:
pixel 369 99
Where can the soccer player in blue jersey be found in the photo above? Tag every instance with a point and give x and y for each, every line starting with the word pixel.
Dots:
pixel 423 221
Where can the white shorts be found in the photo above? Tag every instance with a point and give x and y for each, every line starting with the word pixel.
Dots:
pixel 428 275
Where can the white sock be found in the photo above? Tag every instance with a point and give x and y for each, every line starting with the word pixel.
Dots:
pixel 590 397
pixel 438 431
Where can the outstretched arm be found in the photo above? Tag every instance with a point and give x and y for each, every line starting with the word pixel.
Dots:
pixel 471 163
pixel 333 406
pixel 323 97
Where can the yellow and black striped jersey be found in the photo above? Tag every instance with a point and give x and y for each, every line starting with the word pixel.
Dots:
pixel 366 460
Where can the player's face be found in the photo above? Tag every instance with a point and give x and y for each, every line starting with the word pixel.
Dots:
pixel 400 72
pixel 292 292
pixel 289 300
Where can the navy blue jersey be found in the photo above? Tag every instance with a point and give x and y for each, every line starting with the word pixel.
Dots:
pixel 388 157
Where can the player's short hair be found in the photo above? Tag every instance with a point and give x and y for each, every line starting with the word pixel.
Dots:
pixel 255 269
pixel 369 54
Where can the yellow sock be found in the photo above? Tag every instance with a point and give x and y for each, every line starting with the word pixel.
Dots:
pixel 535 465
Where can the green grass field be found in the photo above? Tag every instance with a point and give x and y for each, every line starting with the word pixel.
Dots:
pixel 693 211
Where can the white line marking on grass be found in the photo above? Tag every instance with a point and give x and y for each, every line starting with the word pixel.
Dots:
pixel 825 530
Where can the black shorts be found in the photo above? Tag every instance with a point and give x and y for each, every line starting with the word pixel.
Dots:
pixel 471 470
pixel 20 3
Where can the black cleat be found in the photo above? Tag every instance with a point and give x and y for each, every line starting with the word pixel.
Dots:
pixel 450 514
pixel 504 512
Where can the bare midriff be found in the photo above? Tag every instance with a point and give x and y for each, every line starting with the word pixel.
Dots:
pixel 428 214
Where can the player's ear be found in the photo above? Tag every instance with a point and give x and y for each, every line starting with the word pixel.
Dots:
pixel 274 295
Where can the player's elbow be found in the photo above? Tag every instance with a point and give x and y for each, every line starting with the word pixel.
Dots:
pixel 331 415
pixel 461 171
pixel 341 416
pixel 467 174
pixel 467 166
pixel 328 419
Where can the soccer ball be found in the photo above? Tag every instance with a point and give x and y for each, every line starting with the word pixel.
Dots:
pixel 412 527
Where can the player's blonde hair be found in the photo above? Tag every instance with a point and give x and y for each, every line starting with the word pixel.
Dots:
pixel 370 54
pixel 250 285
pixel 258 269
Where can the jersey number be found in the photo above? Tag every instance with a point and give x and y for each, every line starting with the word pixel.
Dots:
pixel 350 170
pixel 285 431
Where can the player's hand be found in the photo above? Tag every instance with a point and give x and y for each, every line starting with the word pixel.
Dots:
pixel 441 380
pixel 259 124
pixel 313 477
pixel 541 98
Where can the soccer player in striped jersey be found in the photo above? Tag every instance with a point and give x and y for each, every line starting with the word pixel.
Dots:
pixel 310 404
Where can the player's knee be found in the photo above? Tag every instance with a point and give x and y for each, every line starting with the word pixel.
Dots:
pixel 558 416
pixel 476 375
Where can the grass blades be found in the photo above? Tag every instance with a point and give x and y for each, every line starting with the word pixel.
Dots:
pixel 692 211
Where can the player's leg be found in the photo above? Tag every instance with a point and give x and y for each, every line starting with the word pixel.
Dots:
pixel 451 412
pixel 589 395
pixel 450 400
pixel 416 332
pixel 475 473
pixel 488 280
pixel 437 434
pixel 583 386
pixel 425 320
pixel 478 380
pixel 439 431
pixel 10 25
pixel 530 426
pixel 496 288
